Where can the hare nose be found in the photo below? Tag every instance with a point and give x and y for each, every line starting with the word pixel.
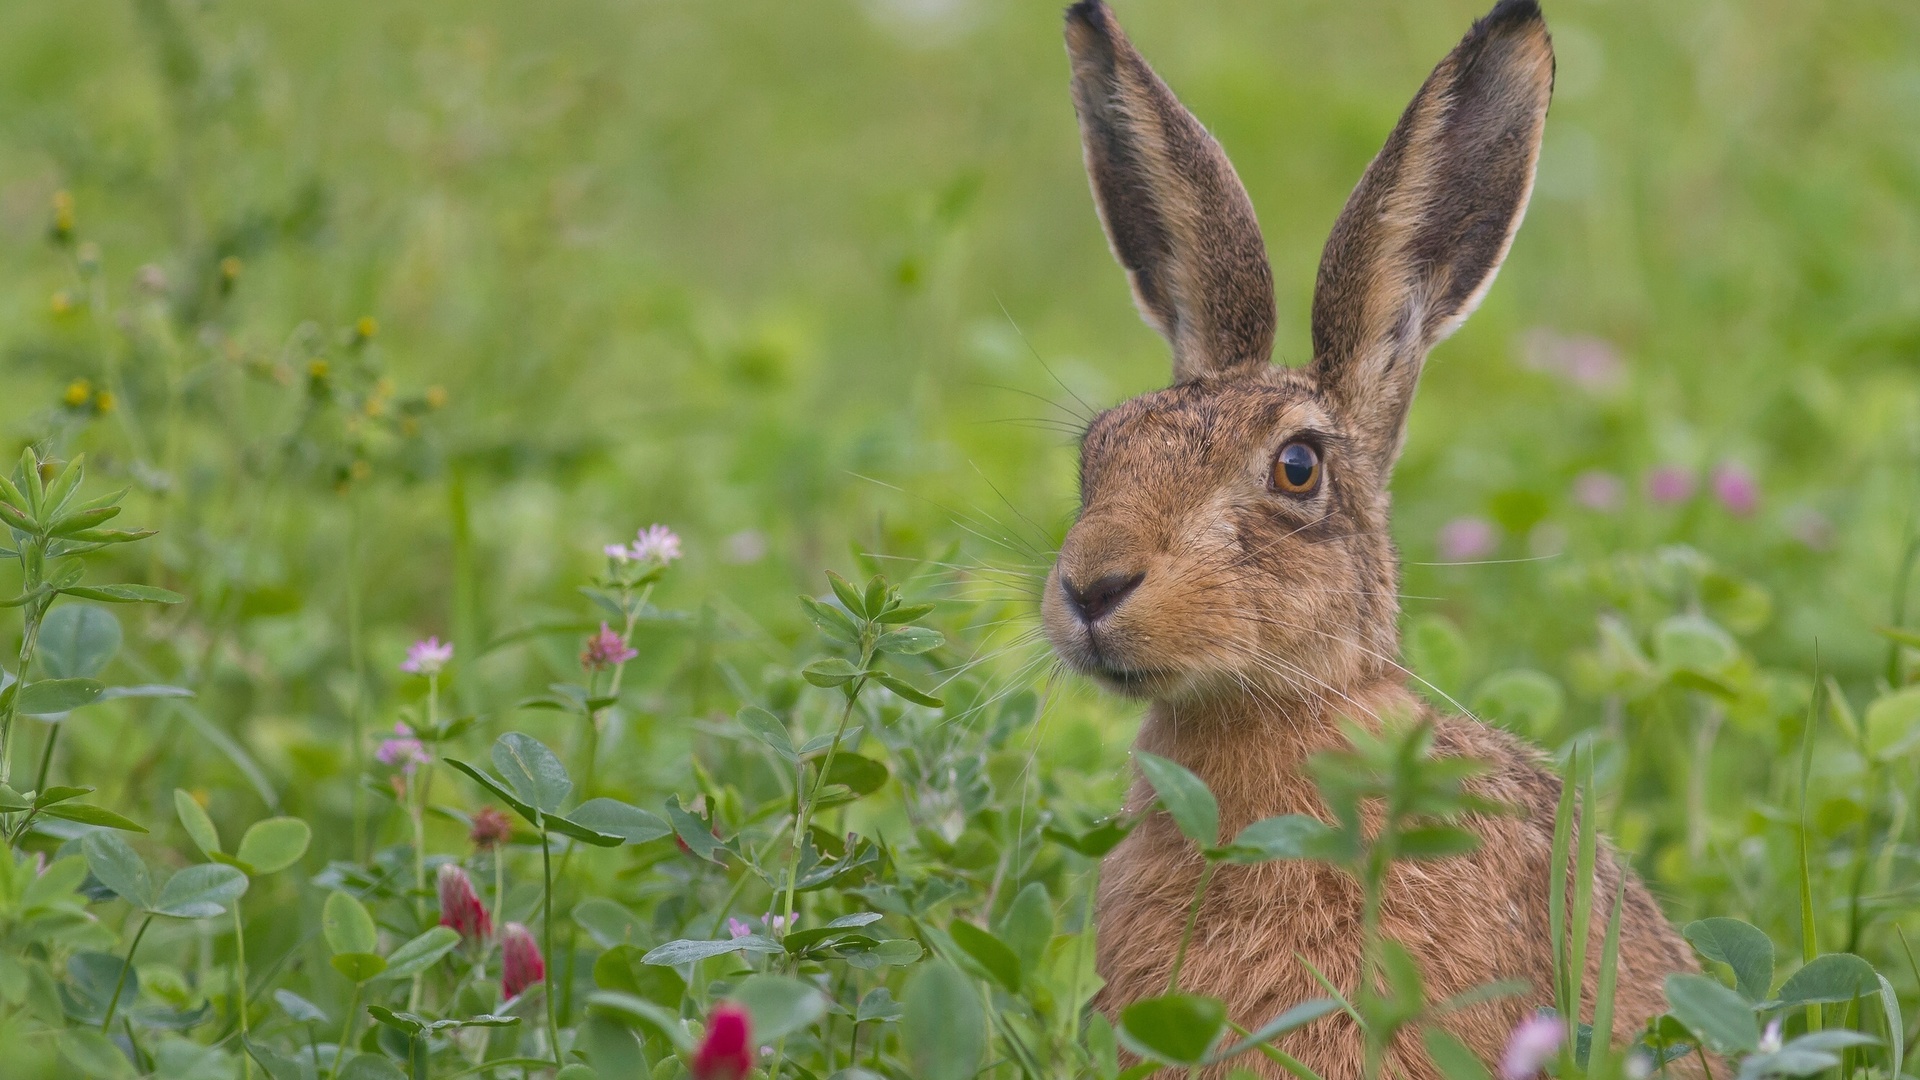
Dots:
pixel 1101 595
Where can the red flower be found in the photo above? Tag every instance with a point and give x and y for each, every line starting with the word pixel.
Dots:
pixel 490 828
pixel 520 962
pixel 460 905
pixel 727 1051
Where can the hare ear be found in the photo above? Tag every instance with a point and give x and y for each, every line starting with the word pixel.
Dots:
pixel 1426 229
pixel 1175 212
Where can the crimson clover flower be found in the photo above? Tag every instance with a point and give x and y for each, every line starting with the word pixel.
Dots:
pixel 520 963
pixel 403 751
pixel 460 905
pixel 726 1053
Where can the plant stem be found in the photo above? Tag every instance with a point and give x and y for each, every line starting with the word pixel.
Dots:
pixel 120 984
pixel 804 816
pixel 46 757
pixel 240 978
pixel 30 636
pixel 546 930
pixel 346 1029
pixel 1193 916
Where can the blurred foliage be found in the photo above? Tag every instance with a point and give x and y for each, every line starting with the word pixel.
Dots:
pixel 391 315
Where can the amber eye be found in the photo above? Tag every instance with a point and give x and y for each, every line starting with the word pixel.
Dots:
pixel 1296 470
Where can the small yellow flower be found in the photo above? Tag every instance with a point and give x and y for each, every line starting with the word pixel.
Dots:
pixel 436 397
pixel 318 368
pixel 78 391
pixel 361 470
pixel 230 267
pixel 366 327
pixel 409 426
pixel 376 407
pixel 383 387
pixel 61 303
pixel 103 401
pixel 62 214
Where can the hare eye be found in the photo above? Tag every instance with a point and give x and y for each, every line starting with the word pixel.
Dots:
pixel 1296 470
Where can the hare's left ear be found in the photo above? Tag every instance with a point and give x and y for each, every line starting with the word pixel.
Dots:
pixel 1424 232
pixel 1178 219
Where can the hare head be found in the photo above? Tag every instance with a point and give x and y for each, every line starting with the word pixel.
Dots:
pixel 1232 536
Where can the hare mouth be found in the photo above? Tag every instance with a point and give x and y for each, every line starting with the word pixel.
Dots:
pixel 1132 681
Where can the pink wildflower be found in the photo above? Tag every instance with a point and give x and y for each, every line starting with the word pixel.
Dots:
pixel 1467 538
pixel 727 1051
pixel 460 905
pixel 1533 1041
pixel 618 552
pixel 520 962
pixel 604 650
pixel 427 657
pixel 403 751
pixel 738 929
pixel 1590 363
pixel 1599 490
pixel 1734 485
pixel 1669 484
pixel 656 543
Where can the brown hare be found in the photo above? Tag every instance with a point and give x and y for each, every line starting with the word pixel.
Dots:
pixel 1231 563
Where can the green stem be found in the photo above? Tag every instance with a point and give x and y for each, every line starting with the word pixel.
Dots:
pixel 29 637
pixel 805 815
pixel 346 1029
pixel 546 930
pixel 240 978
pixel 46 758
pixel 120 984
pixel 1193 917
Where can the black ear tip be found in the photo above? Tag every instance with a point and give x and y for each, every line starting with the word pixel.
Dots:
pixel 1513 13
pixel 1090 12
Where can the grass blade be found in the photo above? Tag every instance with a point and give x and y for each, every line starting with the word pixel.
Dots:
pixel 1557 884
pixel 1600 1050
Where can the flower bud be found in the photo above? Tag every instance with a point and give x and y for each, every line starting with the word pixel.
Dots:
pixel 520 963
pixel 727 1051
pixel 460 905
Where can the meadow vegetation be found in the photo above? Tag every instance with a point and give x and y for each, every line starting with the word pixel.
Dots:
pixel 523 524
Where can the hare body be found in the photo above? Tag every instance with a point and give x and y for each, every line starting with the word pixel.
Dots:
pixel 1232 562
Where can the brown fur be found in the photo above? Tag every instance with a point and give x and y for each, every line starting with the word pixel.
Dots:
pixel 1255 620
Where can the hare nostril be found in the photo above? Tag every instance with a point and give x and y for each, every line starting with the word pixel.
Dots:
pixel 1100 595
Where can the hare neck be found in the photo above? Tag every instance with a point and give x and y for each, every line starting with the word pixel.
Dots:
pixel 1252 755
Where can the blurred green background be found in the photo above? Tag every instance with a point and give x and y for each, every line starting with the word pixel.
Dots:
pixel 805 278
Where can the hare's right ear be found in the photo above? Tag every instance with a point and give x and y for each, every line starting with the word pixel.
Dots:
pixel 1175 212
pixel 1426 229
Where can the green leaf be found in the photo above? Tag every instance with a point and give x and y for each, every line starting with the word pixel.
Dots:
pixel 118 868
pixel 274 844
pixel 609 924
pixel 1095 842
pixel 1437 650
pixel 895 953
pixel 421 953
pixel 1284 836
pixel 861 775
pixel 49 697
pixel 199 826
pixel 201 891
pixel 87 814
pixel 498 791
pixel 1436 842
pixel 1291 1019
pixel 1694 643
pixel 831 621
pixel 767 727
pixel 77 640
pixel 1177 1029
pixel 689 950
pixel 532 771
pixel 370 1067
pixel 904 614
pixel 124 594
pixel 1193 807
pixel 1720 1017
pixel 906 690
pixel 833 671
pixel 909 641
pixel 299 1009
pixel 94 1055
pixel 695 833
pixel 1830 979
pixel 612 817
pixel 630 1008
pixel 1522 700
pixel 1741 947
pixel 943 1031
pixel 993 956
pixel 1454 1060
pixel 842 927
pixel 778 1005
pixel 1890 1006
pixel 848 596
pixel 878 1006
pixel 1028 925
pixel 359 966
pixel 1893 724
pixel 347 926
